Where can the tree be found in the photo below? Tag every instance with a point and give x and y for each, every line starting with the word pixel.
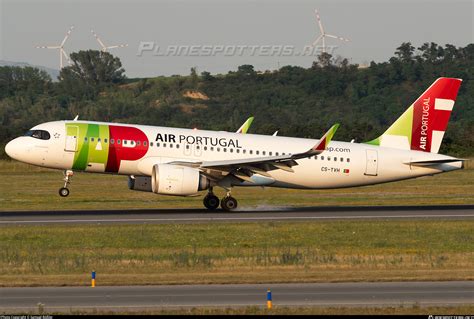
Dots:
pixel 94 67
pixel 246 69
pixel 206 76
pixel 28 81
pixel 194 77
pixel 405 52
pixel 431 52
pixel 90 72
pixel 324 60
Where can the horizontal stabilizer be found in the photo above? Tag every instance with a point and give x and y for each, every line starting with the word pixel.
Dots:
pixel 435 162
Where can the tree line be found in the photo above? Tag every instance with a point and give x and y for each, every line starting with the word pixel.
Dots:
pixel 296 101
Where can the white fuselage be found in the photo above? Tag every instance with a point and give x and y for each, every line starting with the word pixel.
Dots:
pixel 342 164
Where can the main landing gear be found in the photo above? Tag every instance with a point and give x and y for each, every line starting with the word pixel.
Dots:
pixel 64 191
pixel 211 202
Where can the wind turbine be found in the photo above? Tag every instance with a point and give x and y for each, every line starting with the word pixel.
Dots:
pixel 61 48
pixel 104 47
pixel 324 34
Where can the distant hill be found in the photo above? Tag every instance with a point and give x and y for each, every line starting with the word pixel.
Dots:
pixel 53 73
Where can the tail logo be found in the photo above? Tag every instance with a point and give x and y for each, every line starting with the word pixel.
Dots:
pixel 421 127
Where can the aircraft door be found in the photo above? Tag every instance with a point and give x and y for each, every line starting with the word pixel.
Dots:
pixel 72 135
pixel 371 165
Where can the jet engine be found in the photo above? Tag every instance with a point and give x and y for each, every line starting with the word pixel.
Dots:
pixel 177 180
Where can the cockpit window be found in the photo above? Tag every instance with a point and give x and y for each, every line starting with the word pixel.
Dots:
pixel 40 134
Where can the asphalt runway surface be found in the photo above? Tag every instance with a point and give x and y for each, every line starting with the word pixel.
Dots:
pixel 321 294
pixel 259 214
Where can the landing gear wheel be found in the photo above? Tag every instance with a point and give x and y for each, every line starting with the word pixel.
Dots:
pixel 228 203
pixel 63 191
pixel 211 201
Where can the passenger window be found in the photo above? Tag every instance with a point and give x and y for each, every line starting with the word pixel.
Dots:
pixel 177 145
pixel 98 139
pixel 105 140
pixel 322 158
pixel 238 151
pixel 164 144
pixel 92 139
pixel 198 147
pixel 212 148
pixel 342 159
pixel 270 153
pixel 145 143
pixel 187 147
pixel 85 138
pixel 224 149
pixel 138 143
pixel 250 152
pixel 171 145
pixel 257 152
pixel 348 160
pixel 231 150
pixel 112 141
pixel 315 157
pixel 205 148
pixel 244 151
pixel 218 149
pixel 263 153
pixel 118 141
pixel 329 158
pixel 157 144
pixel 124 142
pixel 276 153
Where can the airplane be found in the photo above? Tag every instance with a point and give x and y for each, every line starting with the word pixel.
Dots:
pixel 183 162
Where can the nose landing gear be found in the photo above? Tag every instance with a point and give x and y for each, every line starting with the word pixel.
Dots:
pixel 64 191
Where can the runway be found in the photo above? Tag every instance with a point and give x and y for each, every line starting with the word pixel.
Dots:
pixel 322 294
pixel 259 214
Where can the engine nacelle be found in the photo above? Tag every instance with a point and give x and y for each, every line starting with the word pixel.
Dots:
pixel 140 183
pixel 177 180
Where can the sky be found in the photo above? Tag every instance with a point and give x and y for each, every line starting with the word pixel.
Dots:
pixel 375 29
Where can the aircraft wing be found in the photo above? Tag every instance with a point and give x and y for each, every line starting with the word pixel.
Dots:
pixel 244 168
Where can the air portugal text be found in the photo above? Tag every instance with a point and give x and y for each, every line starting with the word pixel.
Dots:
pixel 202 140
pixel 424 122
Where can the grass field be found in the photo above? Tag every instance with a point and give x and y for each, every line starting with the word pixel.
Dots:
pixel 329 251
pixel 25 187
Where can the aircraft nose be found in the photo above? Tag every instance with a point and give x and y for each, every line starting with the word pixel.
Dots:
pixel 12 148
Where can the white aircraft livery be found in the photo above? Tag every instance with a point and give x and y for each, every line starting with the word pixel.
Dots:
pixel 182 162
